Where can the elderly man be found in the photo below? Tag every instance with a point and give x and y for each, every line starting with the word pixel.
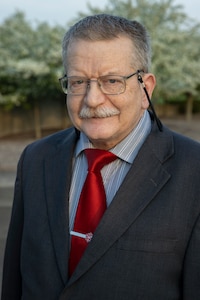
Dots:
pixel 128 228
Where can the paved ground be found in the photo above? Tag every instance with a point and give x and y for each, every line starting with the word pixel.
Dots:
pixel 10 151
pixel 9 155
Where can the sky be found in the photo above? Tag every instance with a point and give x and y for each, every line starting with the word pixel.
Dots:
pixel 60 12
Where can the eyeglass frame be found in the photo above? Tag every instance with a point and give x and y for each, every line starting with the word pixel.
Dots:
pixel 124 78
pixel 138 72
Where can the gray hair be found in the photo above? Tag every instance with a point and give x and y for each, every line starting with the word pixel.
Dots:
pixel 106 27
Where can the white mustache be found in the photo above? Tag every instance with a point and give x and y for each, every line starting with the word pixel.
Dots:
pixel 99 112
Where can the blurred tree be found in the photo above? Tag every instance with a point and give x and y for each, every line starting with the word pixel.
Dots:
pixel 30 57
pixel 30 64
pixel 175 45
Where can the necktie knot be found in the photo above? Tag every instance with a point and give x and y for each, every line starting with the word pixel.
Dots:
pixel 98 158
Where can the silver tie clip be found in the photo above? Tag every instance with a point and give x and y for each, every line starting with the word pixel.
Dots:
pixel 87 236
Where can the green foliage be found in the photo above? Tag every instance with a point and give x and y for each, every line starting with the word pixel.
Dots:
pixel 30 62
pixel 175 43
pixel 30 57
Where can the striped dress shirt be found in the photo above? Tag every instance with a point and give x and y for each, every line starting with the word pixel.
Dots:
pixel 112 174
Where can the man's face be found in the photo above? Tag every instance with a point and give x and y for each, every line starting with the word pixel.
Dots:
pixel 92 59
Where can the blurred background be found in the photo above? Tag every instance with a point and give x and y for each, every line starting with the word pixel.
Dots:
pixel 32 104
pixel 31 100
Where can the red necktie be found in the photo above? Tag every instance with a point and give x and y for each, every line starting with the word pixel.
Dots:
pixel 91 206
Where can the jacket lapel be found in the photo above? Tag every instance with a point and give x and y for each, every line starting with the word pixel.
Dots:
pixel 57 179
pixel 144 180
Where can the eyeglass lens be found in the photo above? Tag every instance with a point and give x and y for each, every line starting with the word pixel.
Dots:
pixel 79 85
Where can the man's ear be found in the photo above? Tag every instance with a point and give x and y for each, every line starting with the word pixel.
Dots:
pixel 150 83
pixel 147 82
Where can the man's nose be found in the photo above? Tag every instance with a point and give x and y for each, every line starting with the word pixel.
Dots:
pixel 94 95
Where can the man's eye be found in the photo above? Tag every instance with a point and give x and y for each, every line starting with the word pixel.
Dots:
pixel 112 80
pixel 77 82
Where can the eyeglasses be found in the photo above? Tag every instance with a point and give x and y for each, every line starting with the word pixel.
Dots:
pixel 109 84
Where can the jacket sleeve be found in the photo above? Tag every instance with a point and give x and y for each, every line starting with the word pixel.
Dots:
pixel 11 284
pixel 191 270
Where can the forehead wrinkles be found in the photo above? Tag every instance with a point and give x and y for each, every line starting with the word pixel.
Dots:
pixel 109 55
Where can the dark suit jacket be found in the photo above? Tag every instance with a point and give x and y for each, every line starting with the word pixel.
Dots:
pixel 147 245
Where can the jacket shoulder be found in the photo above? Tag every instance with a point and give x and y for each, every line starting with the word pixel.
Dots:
pixel 52 143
